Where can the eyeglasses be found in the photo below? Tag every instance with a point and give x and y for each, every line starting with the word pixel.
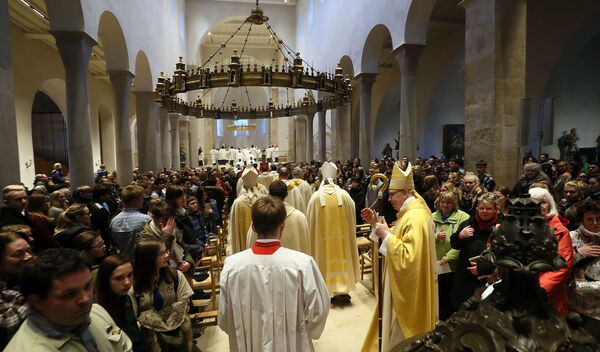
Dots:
pixel 99 245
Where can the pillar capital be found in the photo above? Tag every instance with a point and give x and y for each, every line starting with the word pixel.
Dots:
pixel 365 79
pixel 74 46
pixel 408 58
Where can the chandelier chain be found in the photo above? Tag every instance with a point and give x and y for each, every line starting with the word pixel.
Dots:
pixel 223 45
pixel 246 41
pixel 225 97
pixel 248 95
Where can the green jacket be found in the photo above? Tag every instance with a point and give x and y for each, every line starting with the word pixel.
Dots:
pixel 443 248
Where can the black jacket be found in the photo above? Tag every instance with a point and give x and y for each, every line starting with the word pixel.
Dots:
pixel 465 283
pixel 10 216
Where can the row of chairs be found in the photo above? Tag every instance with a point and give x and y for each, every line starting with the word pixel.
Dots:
pixel 212 263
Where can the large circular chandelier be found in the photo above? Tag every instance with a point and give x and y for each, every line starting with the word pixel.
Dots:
pixel 292 74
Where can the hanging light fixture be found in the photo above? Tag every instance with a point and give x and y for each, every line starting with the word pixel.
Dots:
pixel 292 74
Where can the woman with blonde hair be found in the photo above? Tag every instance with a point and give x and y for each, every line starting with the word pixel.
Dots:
pixel 75 215
pixel 446 221
pixel 58 204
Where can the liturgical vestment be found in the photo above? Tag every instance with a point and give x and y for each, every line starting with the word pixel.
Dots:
pixel 299 193
pixel 240 219
pixel 295 232
pixel 410 286
pixel 272 299
pixel 332 225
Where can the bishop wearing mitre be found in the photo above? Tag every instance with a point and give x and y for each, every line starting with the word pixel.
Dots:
pixel 409 295
pixel 332 225
pixel 240 216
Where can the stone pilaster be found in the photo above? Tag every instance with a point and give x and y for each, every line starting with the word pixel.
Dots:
pixel 75 49
pixel 148 130
pixel 408 58
pixel 174 128
pixel 365 83
pixel 301 138
pixel 495 42
pixel 310 153
pixel 321 135
pixel 9 173
pixel 194 142
pixel 165 139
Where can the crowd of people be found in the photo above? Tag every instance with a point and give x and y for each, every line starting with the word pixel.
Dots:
pixel 75 260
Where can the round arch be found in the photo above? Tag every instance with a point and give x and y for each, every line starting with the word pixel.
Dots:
pixel 112 40
pixel 417 21
pixel 143 74
pixel 48 134
pixel 347 66
pixel 378 42
pixel 197 53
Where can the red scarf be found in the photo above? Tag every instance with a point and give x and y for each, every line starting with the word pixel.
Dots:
pixel 482 225
pixel 265 248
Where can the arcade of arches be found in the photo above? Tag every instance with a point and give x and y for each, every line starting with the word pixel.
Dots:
pixel 483 78
pixel 417 68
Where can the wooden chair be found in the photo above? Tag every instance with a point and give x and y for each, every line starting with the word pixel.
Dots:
pixel 367 249
pixel 209 316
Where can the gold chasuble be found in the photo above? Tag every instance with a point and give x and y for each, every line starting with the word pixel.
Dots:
pixel 240 216
pixel 240 219
pixel 332 226
pixel 410 281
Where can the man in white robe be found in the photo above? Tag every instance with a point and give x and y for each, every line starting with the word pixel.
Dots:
pixel 223 155
pixel 272 298
pixel 295 234
pixel 213 156
pixel 332 226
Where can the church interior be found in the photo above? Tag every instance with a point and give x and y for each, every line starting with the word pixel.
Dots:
pixel 474 79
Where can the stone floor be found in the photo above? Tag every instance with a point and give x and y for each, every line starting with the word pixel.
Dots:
pixel 345 329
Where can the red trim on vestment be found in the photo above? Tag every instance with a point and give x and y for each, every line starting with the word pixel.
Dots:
pixel 265 248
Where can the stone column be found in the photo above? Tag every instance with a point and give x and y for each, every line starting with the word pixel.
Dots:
pixel 121 82
pixel 10 171
pixel 75 49
pixel 300 128
pixel 365 83
pixel 184 138
pixel 291 145
pixel 322 137
pixel 344 131
pixel 495 42
pixel 194 138
pixel 148 128
pixel 354 121
pixel 174 127
pixel 310 153
pixel 335 135
pixel 408 57
pixel 165 139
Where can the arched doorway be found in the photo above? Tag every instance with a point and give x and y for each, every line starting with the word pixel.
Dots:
pixel 49 134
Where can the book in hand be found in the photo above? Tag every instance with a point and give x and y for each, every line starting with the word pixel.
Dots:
pixel 474 260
